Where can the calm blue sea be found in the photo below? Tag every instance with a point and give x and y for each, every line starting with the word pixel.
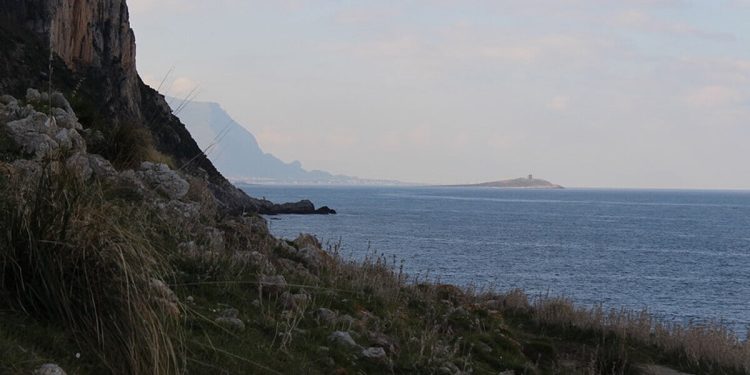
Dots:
pixel 684 255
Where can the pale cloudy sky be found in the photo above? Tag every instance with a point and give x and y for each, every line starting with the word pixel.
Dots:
pixel 595 93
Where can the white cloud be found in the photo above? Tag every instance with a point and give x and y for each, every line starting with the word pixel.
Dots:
pixel 558 103
pixel 714 96
pixel 642 21
pixel 179 87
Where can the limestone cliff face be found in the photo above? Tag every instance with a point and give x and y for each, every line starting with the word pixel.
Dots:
pixel 93 33
pixel 94 49
pixel 86 35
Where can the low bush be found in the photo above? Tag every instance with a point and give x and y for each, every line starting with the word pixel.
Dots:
pixel 127 146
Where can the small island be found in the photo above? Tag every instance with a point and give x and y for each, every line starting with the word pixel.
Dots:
pixel 528 182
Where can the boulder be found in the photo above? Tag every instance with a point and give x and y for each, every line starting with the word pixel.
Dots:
pixel 33 95
pixel 309 253
pixel 69 139
pixel 101 167
pixel 49 369
pixel 79 165
pixel 33 134
pixel 312 257
pixel 66 120
pixel 130 186
pixel 58 101
pixel 272 284
pixel 164 180
pixel 374 354
pixel 343 339
pixel 325 316
pixel 383 341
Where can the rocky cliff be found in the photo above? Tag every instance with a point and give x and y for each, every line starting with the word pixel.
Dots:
pixel 93 64
pixel 91 38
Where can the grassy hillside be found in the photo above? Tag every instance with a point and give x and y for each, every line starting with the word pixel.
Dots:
pixel 105 271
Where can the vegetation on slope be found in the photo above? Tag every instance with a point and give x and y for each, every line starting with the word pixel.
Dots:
pixel 102 275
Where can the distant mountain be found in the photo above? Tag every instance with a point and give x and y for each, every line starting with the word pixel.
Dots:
pixel 236 153
pixel 523 182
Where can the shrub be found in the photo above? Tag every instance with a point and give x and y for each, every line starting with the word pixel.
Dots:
pixel 127 146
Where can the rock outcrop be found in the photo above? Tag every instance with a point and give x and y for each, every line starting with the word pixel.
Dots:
pixel 49 369
pixel 302 207
pixel 94 61
pixel 86 36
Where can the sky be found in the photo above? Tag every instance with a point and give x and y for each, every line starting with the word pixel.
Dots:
pixel 584 93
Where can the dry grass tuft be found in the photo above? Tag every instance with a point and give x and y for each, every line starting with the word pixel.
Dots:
pixel 69 257
pixel 127 145
pixel 708 346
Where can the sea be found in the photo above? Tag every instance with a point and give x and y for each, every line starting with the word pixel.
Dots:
pixel 684 255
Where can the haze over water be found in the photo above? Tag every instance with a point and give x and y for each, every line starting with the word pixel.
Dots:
pixel 684 255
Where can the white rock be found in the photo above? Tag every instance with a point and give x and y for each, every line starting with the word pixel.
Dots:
pixel 63 139
pixel 49 369
pixel 58 100
pixel 33 134
pixel 101 167
pixel 66 120
pixel 80 166
pixel 374 354
pixel 272 284
pixel 163 179
pixel 33 95
pixel 312 257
